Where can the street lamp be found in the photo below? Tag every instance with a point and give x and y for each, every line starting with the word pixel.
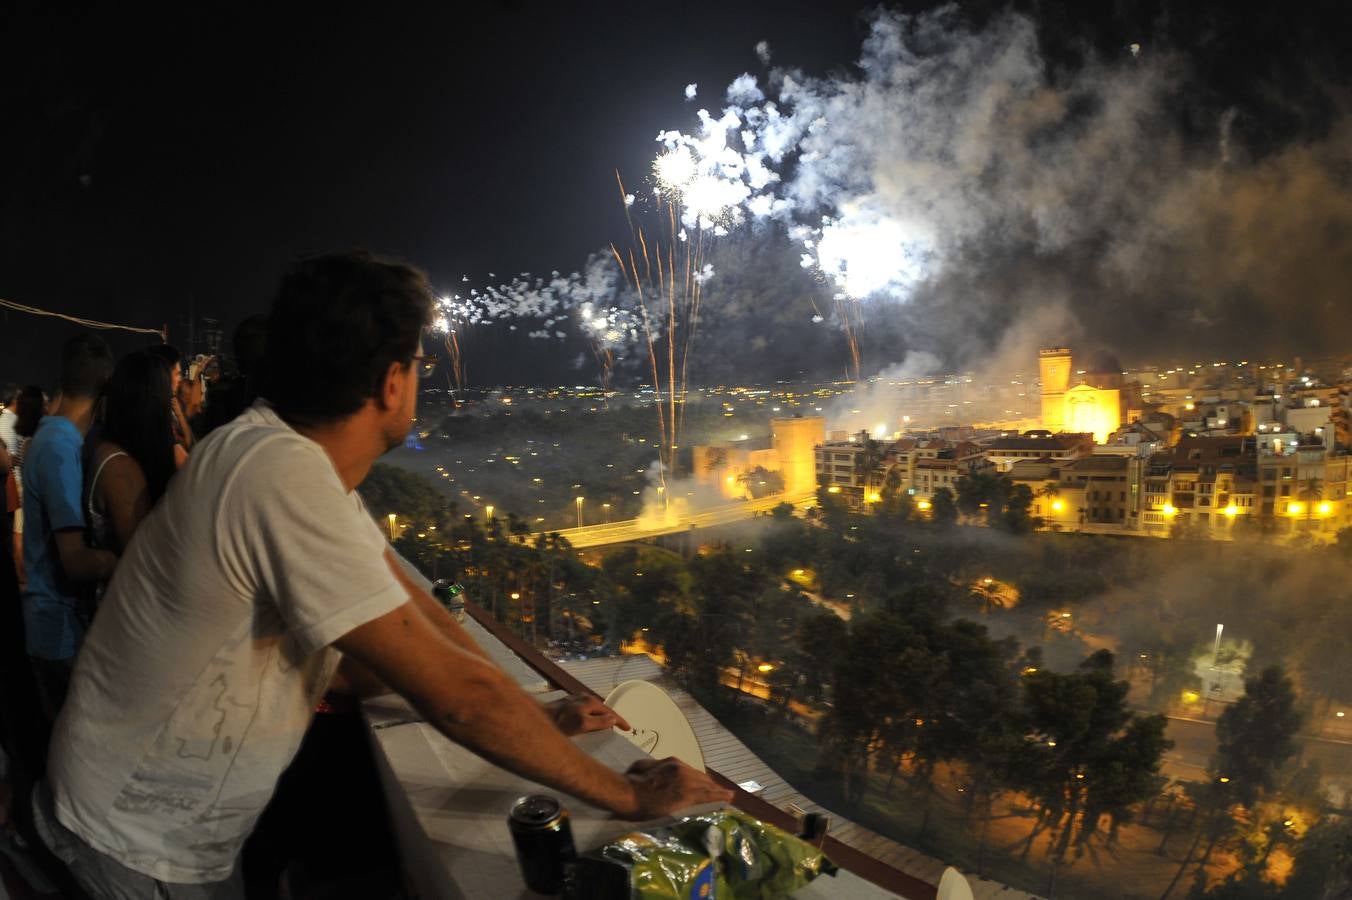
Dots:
pixel 579 511
pixel 488 513
pixel 606 507
pixel 393 518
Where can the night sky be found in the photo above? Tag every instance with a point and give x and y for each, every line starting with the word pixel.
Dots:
pixel 154 164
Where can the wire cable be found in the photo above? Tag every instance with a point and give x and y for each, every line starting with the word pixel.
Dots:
pixel 87 323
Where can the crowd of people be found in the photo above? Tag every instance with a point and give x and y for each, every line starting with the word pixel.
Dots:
pixel 194 576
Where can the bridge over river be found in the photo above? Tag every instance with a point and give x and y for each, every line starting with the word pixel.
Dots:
pixel 707 517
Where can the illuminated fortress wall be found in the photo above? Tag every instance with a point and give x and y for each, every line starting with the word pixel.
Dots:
pixel 795 441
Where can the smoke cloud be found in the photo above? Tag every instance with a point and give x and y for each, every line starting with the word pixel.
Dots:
pixel 957 195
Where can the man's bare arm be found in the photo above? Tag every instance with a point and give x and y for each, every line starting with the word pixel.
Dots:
pixel 356 680
pixel 80 563
pixel 434 611
pixel 477 705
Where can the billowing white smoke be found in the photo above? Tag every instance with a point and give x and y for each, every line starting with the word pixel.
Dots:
pixel 666 500
pixel 953 181
pixel 946 138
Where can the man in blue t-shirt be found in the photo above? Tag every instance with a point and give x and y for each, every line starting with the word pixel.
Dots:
pixel 54 552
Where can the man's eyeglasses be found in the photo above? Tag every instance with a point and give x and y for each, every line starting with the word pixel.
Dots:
pixel 426 365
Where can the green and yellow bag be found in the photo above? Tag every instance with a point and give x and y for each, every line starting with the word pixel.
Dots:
pixel 723 855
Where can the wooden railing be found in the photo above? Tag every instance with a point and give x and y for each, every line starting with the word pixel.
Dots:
pixel 843 855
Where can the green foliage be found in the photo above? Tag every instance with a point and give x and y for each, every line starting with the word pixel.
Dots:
pixel 995 500
pixel 1086 754
pixel 761 482
pixel 1256 735
pixel 413 498
pixel 943 508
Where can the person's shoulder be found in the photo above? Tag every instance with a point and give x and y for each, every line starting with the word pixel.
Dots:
pixel 258 439
pixel 114 459
pixel 54 435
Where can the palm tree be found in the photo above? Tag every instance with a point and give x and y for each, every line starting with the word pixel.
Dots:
pixel 866 464
pixel 1311 492
pixel 989 594
pixel 1049 491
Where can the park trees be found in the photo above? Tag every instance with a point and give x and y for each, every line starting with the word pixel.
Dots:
pixel 943 508
pixel 1256 735
pixel 411 497
pixel 995 499
pixel 1085 753
pixel 761 482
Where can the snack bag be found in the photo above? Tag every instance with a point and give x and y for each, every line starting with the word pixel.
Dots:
pixel 725 854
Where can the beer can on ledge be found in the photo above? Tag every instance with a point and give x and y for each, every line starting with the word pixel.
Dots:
pixel 544 841
pixel 452 596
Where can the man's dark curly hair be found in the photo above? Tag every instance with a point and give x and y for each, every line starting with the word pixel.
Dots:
pixel 337 323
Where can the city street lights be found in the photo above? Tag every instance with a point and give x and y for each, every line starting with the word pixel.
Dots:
pixel 393 518
pixel 488 513
pixel 579 511
pixel 606 508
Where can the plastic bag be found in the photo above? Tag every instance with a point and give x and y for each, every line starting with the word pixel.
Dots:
pixel 724 855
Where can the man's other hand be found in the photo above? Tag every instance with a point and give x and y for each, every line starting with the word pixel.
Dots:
pixel 581 713
pixel 663 786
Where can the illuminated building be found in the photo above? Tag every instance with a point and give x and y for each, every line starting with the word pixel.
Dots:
pixel 1205 485
pixel 1004 452
pixel 1089 401
pixel 840 466
pixel 795 441
pixel 1303 486
pixel 1098 491
pixel 919 467
pixel 1054 371
pixel 789 451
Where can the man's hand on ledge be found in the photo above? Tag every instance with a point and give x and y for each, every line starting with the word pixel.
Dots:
pixel 581 713
pixel 664 786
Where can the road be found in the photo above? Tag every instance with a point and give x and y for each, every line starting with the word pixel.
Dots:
pixel 640 529
pixel 1195 743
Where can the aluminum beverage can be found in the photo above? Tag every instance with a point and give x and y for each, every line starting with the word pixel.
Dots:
pixel 452 596
pixel 544 841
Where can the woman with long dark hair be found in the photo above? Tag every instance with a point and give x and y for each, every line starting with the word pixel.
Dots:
pixel 133 455
pixel 183 436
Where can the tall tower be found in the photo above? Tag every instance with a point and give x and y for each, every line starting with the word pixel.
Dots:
pixel 1054 374
pixel 795 441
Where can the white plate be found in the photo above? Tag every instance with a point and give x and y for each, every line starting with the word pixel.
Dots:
pixel 660 728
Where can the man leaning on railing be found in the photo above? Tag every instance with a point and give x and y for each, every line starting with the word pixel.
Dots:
pixel 258 583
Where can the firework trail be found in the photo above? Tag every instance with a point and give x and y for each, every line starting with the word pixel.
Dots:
pixel 591 301
pixel 666 271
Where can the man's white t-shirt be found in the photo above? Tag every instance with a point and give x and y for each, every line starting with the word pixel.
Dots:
pixel 202 668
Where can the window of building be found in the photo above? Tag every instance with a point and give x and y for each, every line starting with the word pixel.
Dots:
pixel 1286 490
